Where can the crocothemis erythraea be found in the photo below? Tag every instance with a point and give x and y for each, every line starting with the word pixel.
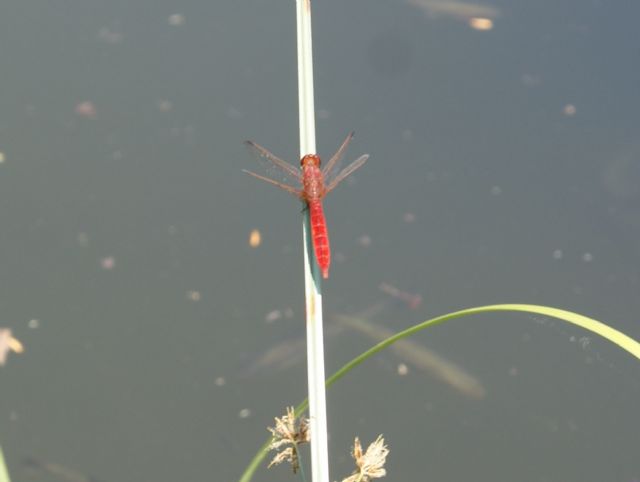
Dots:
pixel 311 183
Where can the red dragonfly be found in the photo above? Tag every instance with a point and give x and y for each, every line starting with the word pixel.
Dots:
pixel 311 185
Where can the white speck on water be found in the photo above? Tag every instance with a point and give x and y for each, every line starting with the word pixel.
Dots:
pixel 587 257
pixel 272 316
pixel 496 190
pixel 365 241
pixel 83 239
pixel 177 20
pixel 194 295
pixel 164 105
pixel 244 413
pixel 408 217
pixel 33 324
pixel 108 263
pixel 584 342
pixel 234 113
pixel 109 36
pixel 531 80
pixel 558 254
pixel 86 109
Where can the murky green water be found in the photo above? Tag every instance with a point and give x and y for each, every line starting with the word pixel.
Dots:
pixel 504 168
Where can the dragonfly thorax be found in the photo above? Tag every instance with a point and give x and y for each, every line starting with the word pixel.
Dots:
pixel 310 160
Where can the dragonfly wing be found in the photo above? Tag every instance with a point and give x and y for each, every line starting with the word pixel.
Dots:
pixel 333 165
pixel 295 191
pixel 271 161
pixel 346 171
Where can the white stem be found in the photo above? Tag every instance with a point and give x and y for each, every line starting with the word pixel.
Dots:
pixel 315 344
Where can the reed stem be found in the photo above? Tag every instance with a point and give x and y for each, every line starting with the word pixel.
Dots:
pixel 313 294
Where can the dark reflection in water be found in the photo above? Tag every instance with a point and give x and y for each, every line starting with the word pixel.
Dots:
pixel 39 470
pixel 621 180
pixel 390 53
pixel 290 353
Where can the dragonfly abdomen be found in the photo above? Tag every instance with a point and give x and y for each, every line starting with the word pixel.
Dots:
pixel 320 236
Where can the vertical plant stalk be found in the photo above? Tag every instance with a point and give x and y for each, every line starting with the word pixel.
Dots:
pixel 313 295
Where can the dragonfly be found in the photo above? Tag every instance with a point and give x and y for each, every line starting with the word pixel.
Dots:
pixel 310 183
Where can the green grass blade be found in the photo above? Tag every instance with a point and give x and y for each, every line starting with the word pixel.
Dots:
pixel 614 336
pixel 4 473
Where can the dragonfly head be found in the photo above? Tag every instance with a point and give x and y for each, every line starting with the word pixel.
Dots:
pixel 310 160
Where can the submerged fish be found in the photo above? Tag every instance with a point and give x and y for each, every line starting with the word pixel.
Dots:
pixel 421 357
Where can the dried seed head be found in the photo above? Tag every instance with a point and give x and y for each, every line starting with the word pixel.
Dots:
pixel 288 432
pixel 369 465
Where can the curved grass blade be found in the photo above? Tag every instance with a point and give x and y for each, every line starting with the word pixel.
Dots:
pixel 614 336
pixel 4 473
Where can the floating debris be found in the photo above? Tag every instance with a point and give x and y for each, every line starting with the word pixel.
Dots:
pixel 365 241
pixel 234 113
pixel 86 109
pixel 164 105
pixel 531 80
pixel 177 20
pixel 409 218
pixel 8 343
pixel 194 295
pixel 108 263
pixel 255 238
pixel 402 369
pixel 108 36
pixel 82 239
pixel 479 23
pixel 272 316
pixel 413 301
